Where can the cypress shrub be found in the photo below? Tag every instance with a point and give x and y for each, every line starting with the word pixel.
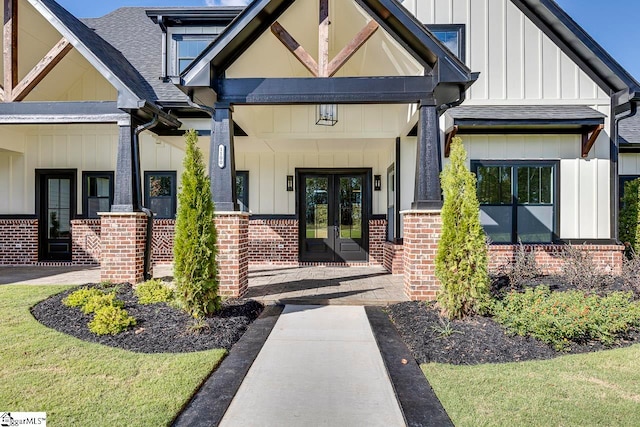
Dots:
pixel 194 249
pixel 461 260
pixel 629 223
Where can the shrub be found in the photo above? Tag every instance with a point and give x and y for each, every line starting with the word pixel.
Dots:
pixel 110 320
pixel 628 224
pixel 80 297
pixel 560 318
pixel 461 260
pixel 153 291
pixel 98 301
pixel 631 274
pixel 580 271
pixel 523 268
pixel 195 237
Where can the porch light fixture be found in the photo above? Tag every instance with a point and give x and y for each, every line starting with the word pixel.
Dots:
pixel 327 114
pixel 377 182
pixel 289 182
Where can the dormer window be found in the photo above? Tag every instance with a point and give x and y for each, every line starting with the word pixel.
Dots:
pixel 452 36
pixel 188 47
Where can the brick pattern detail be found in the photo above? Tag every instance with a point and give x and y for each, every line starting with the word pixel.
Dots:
pixel 273 242
pixel 608 258
pixel 422 231
pixel 18 241
pixel 85 236
pixel 233 253
pixel 377 238
pixel 123 242
pixel 393 258
pixel 162 246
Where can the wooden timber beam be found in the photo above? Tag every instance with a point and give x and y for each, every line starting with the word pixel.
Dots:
pixel 42 68
pixel 10 47
pixel 447 144
pixel 589 140
pixel 350 49
pixel 323 39
pixel 294 47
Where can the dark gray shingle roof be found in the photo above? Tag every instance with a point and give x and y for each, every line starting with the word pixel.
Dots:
pixel 524 112
pixel 630 130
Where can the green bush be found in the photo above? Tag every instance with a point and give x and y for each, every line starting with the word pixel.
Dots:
pixel 153 291
pixel 110 320
pixel 461 260
pixel 560 318
pixel 98 301
pixel 80 297
pixel 628 226
pixel 195 237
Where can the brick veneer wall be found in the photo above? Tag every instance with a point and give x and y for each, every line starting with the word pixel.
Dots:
pixel 233 252
pixel 18 241
pixel 377 237
pixel 393 258
pixel 608 258
pixel 422 231
pixel 86 245
pixel 162 246
pixel 273 241
pixel 123 238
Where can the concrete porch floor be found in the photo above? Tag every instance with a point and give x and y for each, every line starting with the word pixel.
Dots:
pixel 325 285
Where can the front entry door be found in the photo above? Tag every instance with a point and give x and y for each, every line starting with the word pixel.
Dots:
pixel 334 216
pixel 57 194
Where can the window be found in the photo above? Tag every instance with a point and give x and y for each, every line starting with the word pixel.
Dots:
pixel 623 180
pixel 188 47
pixel 160 193
pixel 518 200
pixel 452 36
pixel 97 193
pixel 242 190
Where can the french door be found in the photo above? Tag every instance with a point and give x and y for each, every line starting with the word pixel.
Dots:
pixel 56 208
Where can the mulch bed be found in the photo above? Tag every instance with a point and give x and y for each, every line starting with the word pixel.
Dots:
pixel 159 329
pixel 476 340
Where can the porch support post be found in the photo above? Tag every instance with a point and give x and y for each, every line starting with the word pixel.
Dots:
pixel 126 196
pixel 428 194
pixel 222 163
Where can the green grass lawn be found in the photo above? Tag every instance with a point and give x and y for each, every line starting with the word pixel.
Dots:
pixel 79 383
pixel 596 389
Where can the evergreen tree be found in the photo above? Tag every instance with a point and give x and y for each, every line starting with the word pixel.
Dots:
pixel 461 260
pixel 194 249
pixel 629 222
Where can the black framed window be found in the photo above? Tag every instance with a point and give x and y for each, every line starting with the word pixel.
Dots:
pixel 160 193
pixel 452 36
pixel 97 193
pixel 623 180
pixel 188 47
pixel 518 200
pixel 242 190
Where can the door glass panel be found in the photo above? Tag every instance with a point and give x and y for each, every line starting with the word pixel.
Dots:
pixel 317 209
pixel 350 207
pixel 59 208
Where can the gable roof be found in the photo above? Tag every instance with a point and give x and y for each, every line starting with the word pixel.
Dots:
pixel 260 14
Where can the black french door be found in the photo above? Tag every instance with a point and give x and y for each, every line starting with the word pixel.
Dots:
pixel 56 198
pixel 334 210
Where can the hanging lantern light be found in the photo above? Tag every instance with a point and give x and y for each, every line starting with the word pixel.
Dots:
pixel 327 114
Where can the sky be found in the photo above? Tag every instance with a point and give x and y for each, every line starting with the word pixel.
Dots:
pixel 611 23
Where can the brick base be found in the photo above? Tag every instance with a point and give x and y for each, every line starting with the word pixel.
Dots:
pixel 273 242
pixel 393 258
pixel 422 231
pixel 162 246
pixel 123 238
pixel 18 242
pixel 86 245
pixel 377 237
pixel 608 258
pixel 233 253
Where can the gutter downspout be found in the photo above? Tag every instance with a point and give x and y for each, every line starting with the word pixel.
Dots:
pixel 614 160
pixel 141 207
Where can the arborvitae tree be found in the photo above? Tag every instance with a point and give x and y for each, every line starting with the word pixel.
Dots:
pixel 629 223
pixel 461 261
pixel 194 249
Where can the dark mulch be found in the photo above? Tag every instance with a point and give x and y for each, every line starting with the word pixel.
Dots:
pixel 478 339
pixel 159 329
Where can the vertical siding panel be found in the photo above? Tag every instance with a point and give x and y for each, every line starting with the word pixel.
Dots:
pixel 569 192
pixel 300 119
pixel 568 82
pixel 341 160
pixel 588 199
pixel 281 196
pixel 478 47
pixel 532 76
pixel 442 11
pixel 18 189
pixel 550 68
pixel 104 160
pixel 459 11
pixel 425 12
pixel 5 179
pixel 60 156
pixel 603 191
pixel 45 154
pixel 326 160
pixel 253 166
pixel 311 160
pixel 496 50
pixel 282 119
pixel 296 160
pixel 32 149
pixel 267 189
pixel 356 160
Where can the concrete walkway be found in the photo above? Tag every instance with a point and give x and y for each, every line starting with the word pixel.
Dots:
pixel 60 275
pixel 320 366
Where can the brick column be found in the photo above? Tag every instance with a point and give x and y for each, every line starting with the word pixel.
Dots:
pixel 422 229
pixel 122 236
pixel 377 238
pixel 233 252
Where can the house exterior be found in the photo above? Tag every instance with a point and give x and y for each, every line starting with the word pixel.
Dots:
pixel 326 123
